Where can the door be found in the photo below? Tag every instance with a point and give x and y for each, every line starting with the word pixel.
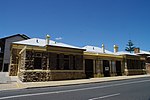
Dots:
pixel 106 68
pixel 5 67
pixel 89 68
pixel 118 68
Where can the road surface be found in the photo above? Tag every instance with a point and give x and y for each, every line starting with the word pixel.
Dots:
pixel 132 89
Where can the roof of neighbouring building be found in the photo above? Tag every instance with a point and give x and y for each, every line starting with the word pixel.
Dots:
pixel 94 49
pixel 22 35
pixel 42 43
pixel 124 53
pixel 144 52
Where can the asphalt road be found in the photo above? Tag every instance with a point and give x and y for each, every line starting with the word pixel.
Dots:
pixel 133 89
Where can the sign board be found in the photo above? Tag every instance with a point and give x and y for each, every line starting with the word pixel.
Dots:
pixel 106 68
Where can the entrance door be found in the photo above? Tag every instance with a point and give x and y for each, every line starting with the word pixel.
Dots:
pixel 1 66
pixel 5 67
pixel 118 68
pixel 89 68
pixel 106 68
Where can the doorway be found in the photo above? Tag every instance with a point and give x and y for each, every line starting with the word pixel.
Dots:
pixel 5 69
pixel 106 68
pixel 89 68
pixel 118 68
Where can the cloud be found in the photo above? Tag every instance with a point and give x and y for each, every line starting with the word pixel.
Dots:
pixel 59 38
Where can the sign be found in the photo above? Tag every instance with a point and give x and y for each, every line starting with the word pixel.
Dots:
pixel 106 68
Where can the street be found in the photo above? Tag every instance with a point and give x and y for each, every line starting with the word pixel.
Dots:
pixel 132 89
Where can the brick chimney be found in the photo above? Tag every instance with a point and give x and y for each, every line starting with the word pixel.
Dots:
pixel 136 50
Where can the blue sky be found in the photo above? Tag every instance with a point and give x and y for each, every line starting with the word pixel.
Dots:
pixel 79 22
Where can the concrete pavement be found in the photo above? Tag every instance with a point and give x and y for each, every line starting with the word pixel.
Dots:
pixel 4 77
pixel 16 84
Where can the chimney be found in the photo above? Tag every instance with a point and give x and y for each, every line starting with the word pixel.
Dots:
pixel 103 48
pixel 115 48
pixel 136 50
pixel 47 39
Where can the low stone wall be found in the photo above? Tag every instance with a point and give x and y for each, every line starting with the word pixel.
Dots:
pixel 148 68
pixel 49 76
pixel 136 72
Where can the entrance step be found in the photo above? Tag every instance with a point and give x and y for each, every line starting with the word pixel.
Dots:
pixel 15 79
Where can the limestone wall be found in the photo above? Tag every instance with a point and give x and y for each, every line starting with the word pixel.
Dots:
pixel 14 62
pixel 136 71
pixel 35 76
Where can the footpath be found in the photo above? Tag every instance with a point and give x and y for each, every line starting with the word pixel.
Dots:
pixel 16 84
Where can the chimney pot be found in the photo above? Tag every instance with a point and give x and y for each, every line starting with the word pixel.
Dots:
pixel 115 48
pixel 47 39
pixel 103 48
pixel 136 50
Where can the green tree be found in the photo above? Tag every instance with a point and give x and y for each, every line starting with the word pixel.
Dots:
pixel 130 46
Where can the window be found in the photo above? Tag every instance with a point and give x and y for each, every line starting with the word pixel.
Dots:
pixel 66 62
pixel 37 63
pixel 5 67
pixel 0 49
pixel 129 64
pixel 57 66
pixel 142 65
pixel 74 63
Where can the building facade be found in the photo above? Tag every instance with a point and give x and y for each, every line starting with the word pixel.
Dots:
pixel 36 59
pixel 146 55
pixel 99 62
pixel 5 50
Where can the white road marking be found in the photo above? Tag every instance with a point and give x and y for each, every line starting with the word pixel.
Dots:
pixel 74 90
pixel 106 96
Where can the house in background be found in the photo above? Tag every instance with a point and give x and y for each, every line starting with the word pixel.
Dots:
pixel 133 64
pixel 146 55
pixel 5 44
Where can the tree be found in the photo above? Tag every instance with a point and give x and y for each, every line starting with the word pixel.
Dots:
pixel 130 46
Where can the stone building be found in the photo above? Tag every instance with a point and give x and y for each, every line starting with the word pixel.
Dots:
pixel 99 62
pixel 133 64
pixel 44 60
pixel 146 55
pixel 5 49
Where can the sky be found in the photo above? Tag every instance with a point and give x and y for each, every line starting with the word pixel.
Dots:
pixel 79 22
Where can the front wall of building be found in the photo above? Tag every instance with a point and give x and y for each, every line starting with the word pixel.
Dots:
pixel 14 58
pixel 103 65
pixel 51 63
pixel 38 64
pixel 135 65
